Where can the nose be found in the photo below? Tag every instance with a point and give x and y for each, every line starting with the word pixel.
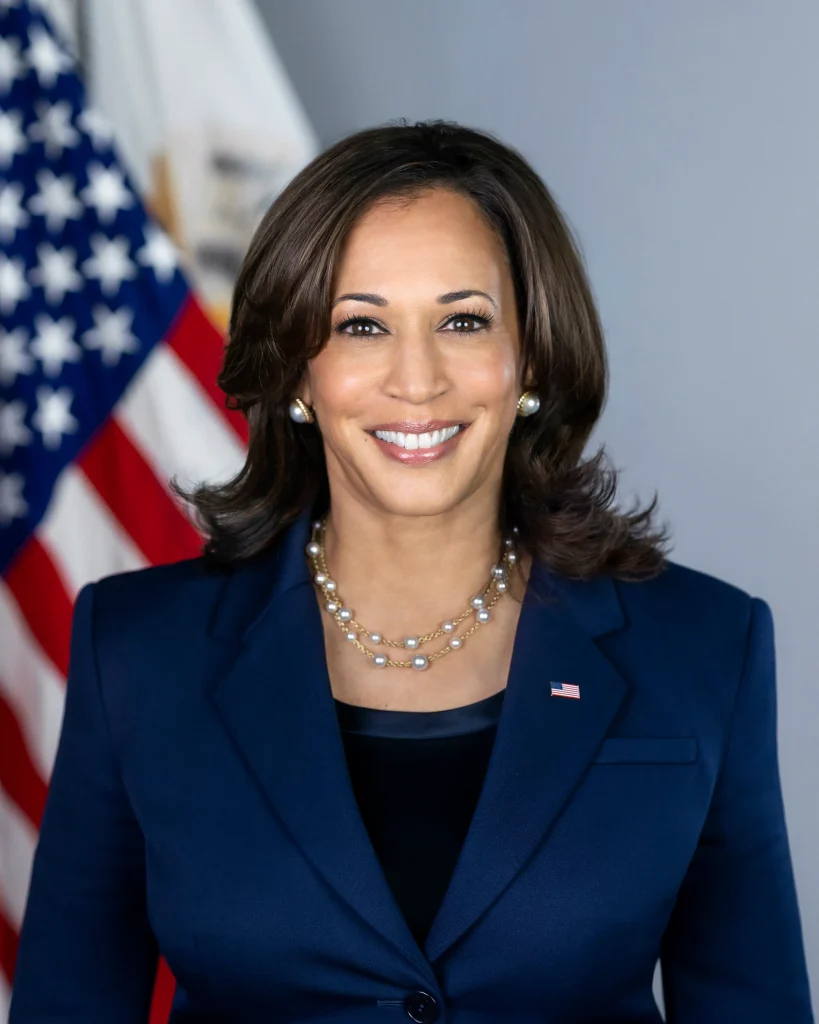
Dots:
pixel 417 372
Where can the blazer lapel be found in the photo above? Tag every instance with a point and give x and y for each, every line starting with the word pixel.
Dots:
pixel 276 703
pixel 543 744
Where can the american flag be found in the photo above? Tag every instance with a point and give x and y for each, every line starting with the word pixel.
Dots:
pixel 107 390
pixel 565 690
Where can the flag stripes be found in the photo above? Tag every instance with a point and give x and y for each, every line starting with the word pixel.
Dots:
pixel 108 389
pixel 128 485
pixel 5 991
pixel 81 536
pixel 30 684
pixel 19 777
pixel 34 638
pixel 131 522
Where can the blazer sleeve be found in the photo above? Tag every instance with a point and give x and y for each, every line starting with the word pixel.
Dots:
pixel 732 950
pixel 86 950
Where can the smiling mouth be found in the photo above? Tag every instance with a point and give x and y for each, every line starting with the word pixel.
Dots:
pixel 428 439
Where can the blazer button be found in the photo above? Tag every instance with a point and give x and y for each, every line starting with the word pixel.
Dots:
pixel 422 1007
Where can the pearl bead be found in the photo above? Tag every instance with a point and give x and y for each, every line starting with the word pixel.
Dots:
pixel 455 643
pixel 345 614
pixel 498 572
pixel 509 543
pixel 515 530
pixel 420 661
pixel 477 601
pixel 297 414
pixel 312 549
pixel 511 557
pixel 448 626
pixel 484 615
pixel 316 524
pixel 411 642
pixel 330 585
pixel 501 585
pixel 376 638
pixel 530 404
pixel 320 578
pixel 332 607
pixel 380 660
pixel 352 635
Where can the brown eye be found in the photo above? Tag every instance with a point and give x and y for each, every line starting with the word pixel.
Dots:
pixel 460 320
pixel 458 324
pixel 356 322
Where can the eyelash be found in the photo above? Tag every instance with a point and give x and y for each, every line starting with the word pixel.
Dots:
pixel 482 316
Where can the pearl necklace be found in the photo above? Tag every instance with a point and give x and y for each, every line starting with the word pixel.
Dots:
pixel 479 605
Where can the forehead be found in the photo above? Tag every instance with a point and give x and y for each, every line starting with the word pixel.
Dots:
pixel 438 234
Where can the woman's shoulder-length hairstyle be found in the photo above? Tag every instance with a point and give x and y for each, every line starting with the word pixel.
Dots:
pixel 562 504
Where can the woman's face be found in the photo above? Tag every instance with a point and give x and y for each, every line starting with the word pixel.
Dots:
pixel 414 346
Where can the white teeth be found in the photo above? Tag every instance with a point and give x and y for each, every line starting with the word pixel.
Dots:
pixel 412 441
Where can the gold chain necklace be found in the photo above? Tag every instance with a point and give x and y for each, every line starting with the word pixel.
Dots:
pixel 478 606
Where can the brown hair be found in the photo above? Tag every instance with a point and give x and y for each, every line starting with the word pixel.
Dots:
pixel 280 318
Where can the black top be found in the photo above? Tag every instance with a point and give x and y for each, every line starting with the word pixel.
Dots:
pixel 417 776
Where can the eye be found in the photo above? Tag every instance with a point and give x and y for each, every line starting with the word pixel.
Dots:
pixel 357 321
pixel 483 318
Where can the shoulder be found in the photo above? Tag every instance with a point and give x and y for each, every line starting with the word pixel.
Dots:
pixel 688 598
pixel 700 626
pixel 157 600
pixel 147 635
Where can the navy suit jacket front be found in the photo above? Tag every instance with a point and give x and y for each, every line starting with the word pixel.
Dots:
pixel 200 807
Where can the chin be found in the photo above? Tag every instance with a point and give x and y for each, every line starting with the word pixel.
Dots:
pixel 408 500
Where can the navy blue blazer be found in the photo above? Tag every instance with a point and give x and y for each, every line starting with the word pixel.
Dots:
pixel 200 807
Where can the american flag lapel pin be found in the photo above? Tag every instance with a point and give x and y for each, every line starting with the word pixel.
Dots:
pixel 565 690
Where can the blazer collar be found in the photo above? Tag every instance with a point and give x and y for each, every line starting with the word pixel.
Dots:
pixel 276 702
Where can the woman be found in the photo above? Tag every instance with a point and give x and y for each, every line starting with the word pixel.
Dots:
pixel 431 731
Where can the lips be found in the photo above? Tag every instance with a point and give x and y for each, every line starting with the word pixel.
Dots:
pixel 419 456
pixel 415 426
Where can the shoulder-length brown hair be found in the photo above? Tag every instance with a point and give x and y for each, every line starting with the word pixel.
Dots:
pixel 280 318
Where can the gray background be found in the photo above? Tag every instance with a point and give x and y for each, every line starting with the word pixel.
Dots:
pixel 681 140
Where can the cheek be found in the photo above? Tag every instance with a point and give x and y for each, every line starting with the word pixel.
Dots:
pixel 343 386
pixel 490 381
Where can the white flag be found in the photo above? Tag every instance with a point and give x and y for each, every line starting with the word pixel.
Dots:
pixel 207 118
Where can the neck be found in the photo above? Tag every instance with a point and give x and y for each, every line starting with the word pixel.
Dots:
pixel 404 574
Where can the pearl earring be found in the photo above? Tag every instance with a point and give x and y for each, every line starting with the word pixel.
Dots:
pixel 528 403
pixel 300 413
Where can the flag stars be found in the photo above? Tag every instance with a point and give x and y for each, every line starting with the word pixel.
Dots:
pixel 12 503
pixel 14 359
pixel 11 67
pixel 13 285
pixel 53 417
pixel 96 125
pixel 106 192
pixel 55 201
pixel 46 57
pixel 13 431
pixel 12 139
pixel 112 334
pixel 53 128
pixel 54 344
pixel 12 214
pixel 110 264
pixel 56 273
pixel 159 253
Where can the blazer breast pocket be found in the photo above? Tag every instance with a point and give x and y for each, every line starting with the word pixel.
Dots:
pixel 647 750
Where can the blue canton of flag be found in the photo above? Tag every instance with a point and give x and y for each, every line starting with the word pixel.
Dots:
pixel 565 690
pixel 88 286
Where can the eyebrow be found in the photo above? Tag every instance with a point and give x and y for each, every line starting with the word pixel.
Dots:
pixel 445 299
